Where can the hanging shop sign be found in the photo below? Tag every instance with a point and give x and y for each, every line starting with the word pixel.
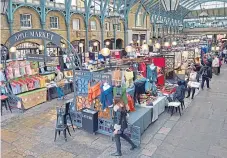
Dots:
pixel 34 34
pixel 35 57
pixel 42 58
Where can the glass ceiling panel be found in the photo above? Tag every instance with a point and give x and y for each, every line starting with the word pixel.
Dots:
pixel 211 5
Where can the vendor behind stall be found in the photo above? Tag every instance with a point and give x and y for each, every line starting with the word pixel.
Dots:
pixel 59 80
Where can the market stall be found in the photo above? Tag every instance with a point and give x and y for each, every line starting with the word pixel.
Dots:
pixel 30 68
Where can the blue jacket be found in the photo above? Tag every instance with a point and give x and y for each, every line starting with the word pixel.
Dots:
pixel 180 93
pixel 152 74
pixel 106 98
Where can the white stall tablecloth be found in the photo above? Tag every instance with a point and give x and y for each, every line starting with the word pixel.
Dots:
pixel 158 107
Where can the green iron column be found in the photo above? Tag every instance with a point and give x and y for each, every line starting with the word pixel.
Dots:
pixel 87 4
pixel 43 21
pixel 67 17
pixel 10 17
pixel 103 8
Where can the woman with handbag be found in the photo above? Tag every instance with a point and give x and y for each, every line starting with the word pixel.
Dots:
pixel 193 77
pixel 58 79
pixel 120 124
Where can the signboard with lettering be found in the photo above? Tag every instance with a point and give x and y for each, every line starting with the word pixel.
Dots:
pixel 34 34
pixel 35 57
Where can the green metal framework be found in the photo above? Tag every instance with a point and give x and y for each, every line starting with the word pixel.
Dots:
pixel 170 19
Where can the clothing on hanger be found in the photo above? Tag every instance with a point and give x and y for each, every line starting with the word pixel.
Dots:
pixel 120 92
pixel 106 97
pixel 93 91
pixel 129 78
pixel 152 73
pixel 143 69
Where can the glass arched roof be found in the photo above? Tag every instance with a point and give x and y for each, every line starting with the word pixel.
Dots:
pixel 211 5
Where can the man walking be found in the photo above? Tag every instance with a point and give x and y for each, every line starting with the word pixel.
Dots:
pixel 206 73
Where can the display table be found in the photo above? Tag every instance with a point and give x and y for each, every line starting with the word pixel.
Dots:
pixel 52 91
pixel 141 118
pixel 145 115
pixel 33 98
pixel 157 108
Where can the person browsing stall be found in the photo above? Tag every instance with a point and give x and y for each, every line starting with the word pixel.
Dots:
pixel 58 79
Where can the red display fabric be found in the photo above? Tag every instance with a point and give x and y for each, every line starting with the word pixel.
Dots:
pixel 161 80
pixel 159 61
pixel 143 69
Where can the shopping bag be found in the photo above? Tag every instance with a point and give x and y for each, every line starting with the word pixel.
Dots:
pixel 194 84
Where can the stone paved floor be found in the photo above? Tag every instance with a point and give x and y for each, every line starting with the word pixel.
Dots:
pixel 201 132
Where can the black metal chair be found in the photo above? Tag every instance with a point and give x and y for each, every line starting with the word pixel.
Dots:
pixel 67 114
pixel 61 124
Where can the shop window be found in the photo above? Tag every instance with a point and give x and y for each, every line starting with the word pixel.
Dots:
pixel 76 24
pixel 107 26
pixel 139 19
pixel 26 48
pixel 119 27
pixel 52 49
pixel 93 25
pixel 26 20
pixel 54 22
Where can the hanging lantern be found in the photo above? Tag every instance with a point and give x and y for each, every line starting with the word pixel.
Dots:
pixel 145 47
pixel 128 49
pixel 12 49
pixel 170 5
pixel 203 17
pixel 41 47
pixel 63 45
pixel 81 45
pixel 107 43
pixel 4 5
pixel 105 52
pixel 166 44
pixel 95 44
pixel 213 48
pixel 157 46
pixel 174 43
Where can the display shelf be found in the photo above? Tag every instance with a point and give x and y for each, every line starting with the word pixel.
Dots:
pixel 33 98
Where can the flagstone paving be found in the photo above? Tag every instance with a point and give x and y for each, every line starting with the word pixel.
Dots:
pixel 201 132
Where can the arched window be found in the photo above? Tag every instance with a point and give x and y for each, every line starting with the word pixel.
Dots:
pixel 139 20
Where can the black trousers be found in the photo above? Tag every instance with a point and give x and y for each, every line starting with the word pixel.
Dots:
pixel 219 69
pixel 189 92
pixel 118 141
pixel 207 81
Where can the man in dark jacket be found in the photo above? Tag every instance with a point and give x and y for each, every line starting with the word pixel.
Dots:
pixel 206 73
pixel 180 93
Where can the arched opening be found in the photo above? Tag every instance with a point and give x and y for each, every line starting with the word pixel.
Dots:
pixel 94 45
pixel 108 44
pixel 119 43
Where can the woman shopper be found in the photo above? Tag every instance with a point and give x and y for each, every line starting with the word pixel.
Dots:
pixel 193 77
pixel 58 78
pixel 220 64
pixel 120 124
pixel 215 64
